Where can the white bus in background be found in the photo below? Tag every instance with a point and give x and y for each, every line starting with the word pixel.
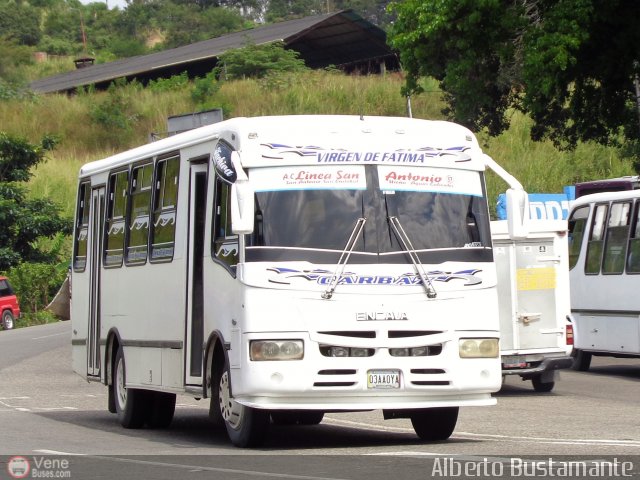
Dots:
pixel 288 266
pixel 604 253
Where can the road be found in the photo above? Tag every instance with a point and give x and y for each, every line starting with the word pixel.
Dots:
pixel 46 409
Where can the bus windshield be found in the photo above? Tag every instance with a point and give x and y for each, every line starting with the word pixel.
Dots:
pixel 444 214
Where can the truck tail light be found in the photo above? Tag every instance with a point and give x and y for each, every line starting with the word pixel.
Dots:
pixel 569 335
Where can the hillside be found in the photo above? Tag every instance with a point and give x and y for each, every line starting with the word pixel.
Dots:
pixel 96 124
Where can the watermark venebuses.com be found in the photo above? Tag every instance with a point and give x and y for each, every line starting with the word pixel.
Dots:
pixel 447 467
pixel 38 467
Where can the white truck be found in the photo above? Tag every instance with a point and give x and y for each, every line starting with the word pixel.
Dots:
pixel 536 335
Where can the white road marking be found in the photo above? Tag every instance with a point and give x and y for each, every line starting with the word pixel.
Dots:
pixel 491 437
pixel 52 335
pixel 201 468
pixel 56 452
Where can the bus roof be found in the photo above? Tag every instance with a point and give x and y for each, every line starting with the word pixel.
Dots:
pixel 306 139
pixel 605 197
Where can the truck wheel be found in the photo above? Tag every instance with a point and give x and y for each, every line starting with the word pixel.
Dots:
pixel 297 417
pixel 581 360
pixel 540 386
pixel 130 403
pixel 162 406
pixel 432 424
pixel 246 426
pixel 7 320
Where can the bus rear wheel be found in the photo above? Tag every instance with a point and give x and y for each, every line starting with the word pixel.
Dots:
pixel 161 408
pixel 130 403
pixel 246 426
pixel 433 424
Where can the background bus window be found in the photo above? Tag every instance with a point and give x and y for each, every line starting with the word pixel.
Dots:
pixel 633 259
pixel 617 235
pixel 82 227
pixel 140 204
pixel 225 244
pixel 594 247
pixel 577 226
pixel 164 209
pixel 116 223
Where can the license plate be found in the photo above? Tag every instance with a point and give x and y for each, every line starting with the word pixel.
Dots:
pixel 514 361
pixel 383 379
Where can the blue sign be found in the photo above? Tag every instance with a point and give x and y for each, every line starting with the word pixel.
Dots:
pixel 542 206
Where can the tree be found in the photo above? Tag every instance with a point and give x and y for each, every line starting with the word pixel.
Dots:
pixel 24 220
pixel 569 64
pixel 13 55
pixel 20 22
pixel 279 10
pixel 256 61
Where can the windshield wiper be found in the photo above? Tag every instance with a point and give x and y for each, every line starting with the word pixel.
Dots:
pixel 415 259
pixel 344 257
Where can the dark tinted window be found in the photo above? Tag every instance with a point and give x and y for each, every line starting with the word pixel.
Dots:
pixel 164 209
pixel 81 227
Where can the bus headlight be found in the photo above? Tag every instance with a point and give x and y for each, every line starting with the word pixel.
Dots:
pixel 478 348
pixel 269 350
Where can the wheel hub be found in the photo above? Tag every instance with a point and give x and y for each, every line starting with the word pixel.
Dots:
pixel 121 389
pixel 230 410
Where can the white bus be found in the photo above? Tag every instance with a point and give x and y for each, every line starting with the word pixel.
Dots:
pixel 604 257
pixel 288 266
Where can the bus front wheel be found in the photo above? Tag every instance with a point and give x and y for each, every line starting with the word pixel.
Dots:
pixel 246 426
pixel 130 403
pixel 433 424
pixel 297 417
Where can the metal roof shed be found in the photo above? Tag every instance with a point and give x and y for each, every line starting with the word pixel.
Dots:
pixel 343 39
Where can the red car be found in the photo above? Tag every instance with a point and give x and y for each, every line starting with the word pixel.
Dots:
pixel 8 304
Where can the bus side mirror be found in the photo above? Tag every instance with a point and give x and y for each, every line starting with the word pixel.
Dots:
pixel 517 213
pixel 242 208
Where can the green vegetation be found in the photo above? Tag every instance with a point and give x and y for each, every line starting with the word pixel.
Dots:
pixel 94 125
pixel 573 66
pixel 512 71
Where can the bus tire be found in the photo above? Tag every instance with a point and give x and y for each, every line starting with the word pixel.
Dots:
pixel 246 426
pixel 433 424
pixel 297 417
pixel 581 360
pixel 540 386
pixel 161 408
pixel 111 398
pixel 7 320
pixel 130 402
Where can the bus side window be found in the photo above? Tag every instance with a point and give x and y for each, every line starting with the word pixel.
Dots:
pixel 633 259
pixel 615 248
pixel 594 247
pixel 82 227
pixel 577 225
pixel 116 222
pixel 139 207
pixel 163 231
pixel 225 244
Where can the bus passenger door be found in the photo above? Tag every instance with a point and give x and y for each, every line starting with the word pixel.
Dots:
pixel 95 262
pixel 195 309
